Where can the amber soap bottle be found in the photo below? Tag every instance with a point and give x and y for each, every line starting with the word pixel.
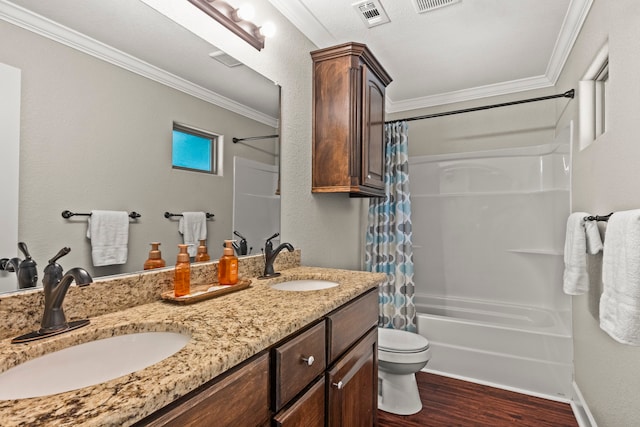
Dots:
pixel 182 278
pixel 155 258
pixel 202 254
pixel 228 265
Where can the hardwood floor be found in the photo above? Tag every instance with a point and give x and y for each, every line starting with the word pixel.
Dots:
pixel 449 402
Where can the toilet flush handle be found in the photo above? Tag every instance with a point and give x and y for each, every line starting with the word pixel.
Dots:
pixel 308 360
pixel 338 385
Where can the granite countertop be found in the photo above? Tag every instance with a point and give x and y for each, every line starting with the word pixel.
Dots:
pixel 224 332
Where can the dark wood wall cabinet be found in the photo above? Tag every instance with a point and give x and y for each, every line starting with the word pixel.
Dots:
pixel 323 375
pixel 348 121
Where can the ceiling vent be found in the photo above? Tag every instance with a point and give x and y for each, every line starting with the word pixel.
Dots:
pixel 371 12
pixel 423 6
pixel 227 60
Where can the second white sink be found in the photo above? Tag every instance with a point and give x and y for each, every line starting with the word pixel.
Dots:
pixel 304 285
pixel 88 364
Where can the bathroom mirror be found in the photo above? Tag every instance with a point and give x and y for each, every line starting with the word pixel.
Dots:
pixel 101 88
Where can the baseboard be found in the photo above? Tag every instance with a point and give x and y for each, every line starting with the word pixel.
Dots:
pixel 503 387
pixel 581 410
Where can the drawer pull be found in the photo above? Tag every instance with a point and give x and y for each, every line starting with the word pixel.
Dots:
pixel 338 385
pixel 308 360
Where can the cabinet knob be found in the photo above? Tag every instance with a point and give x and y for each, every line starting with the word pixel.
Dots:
pixel 369 176
pixel 338 385
pixel 308 360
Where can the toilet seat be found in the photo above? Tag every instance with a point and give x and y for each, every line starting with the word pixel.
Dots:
pixel 397 341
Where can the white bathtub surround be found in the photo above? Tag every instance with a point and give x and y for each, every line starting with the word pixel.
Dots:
pixel 389 245
pixel 620 300
pixel 578 242
pixel 489 231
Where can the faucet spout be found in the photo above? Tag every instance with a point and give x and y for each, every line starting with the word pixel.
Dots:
pixel 270 255
pixel 56 286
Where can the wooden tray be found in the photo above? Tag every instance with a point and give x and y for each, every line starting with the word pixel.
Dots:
pixel 202 292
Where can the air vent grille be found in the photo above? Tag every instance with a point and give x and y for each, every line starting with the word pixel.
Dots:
pixel 423 6
pixel 224 58
pixel 371 12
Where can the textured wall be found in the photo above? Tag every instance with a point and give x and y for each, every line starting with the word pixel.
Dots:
pixel 605 177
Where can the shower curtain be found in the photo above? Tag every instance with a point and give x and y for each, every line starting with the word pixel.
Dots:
pixel 388 238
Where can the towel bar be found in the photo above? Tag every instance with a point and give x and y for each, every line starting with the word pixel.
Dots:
pixel 169 215
pixel 598 217
pixel 69 214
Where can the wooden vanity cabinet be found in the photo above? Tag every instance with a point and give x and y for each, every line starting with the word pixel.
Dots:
pixel 348 121
pixel 239 397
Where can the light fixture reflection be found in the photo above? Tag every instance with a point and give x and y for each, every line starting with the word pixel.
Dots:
pixel 237 20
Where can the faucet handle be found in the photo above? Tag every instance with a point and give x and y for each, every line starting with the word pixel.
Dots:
pixel 273 237
pixel 23 248
pixel 62 252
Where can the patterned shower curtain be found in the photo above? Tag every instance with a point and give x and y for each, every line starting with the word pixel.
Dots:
pixel 388 240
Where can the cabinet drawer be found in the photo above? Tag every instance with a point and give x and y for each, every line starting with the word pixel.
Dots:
pixel 351 322
pixel 307 411
pixel 298 362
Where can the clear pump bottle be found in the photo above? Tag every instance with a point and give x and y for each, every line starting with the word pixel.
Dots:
pixel 228 265
pixel 182 278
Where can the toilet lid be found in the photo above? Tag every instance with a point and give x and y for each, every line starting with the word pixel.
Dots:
pixel 401 341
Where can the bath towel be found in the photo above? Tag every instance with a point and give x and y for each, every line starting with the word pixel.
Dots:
pixel 620 300
pixel 576 278
pixel 109 234
pixel 193 227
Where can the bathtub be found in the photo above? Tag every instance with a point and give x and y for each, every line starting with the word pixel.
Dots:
pixel 516 347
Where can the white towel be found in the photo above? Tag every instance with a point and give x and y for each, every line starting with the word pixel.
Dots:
pixel 193 227
pixel 109 234
pixel 576 278
pixel 620 300
pixel 594 241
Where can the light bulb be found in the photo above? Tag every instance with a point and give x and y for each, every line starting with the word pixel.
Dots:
pixel 268 29
pixel 246 12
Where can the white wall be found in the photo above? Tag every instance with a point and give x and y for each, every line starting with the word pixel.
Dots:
pixel 605 179
pixel 9 168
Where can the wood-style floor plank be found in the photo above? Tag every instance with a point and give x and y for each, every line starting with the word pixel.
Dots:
pixel 448 402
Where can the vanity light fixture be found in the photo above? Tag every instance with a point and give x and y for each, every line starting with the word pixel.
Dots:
pixel 236 20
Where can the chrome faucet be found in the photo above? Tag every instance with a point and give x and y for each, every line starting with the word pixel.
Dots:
pixel 55 289
pixel 25 269
pixel 270 255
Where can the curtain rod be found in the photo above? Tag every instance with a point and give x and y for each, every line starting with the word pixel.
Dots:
pixel 567 94
pixel 251 138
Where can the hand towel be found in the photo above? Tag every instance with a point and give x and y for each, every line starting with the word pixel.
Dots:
pixel 109 234
pixel 193 227
pixel 594 241
pixel 620 300
pixel 576 278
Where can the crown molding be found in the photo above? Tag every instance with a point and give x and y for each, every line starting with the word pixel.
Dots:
pixel 480 92
pixel 30 21
pixel 573 21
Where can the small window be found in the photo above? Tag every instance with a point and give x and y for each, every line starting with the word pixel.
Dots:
pixel 194 149
pixel 594 98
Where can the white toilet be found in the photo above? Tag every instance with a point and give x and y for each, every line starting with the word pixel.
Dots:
pixel 400 355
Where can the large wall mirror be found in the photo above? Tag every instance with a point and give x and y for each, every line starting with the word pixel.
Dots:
pixel 101 85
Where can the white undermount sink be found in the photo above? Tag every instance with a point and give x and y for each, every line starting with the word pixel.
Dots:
pixel 304 285
pixel 88 364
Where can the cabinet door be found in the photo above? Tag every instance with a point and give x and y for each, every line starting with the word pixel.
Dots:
pixel 240 398
pixel 352 384
pixel 373 142
pixel 307 411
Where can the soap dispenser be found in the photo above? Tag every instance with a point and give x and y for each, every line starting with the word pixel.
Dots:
pixel 155 258
pixel 228 265
pixel 202 254
pixel 182 278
